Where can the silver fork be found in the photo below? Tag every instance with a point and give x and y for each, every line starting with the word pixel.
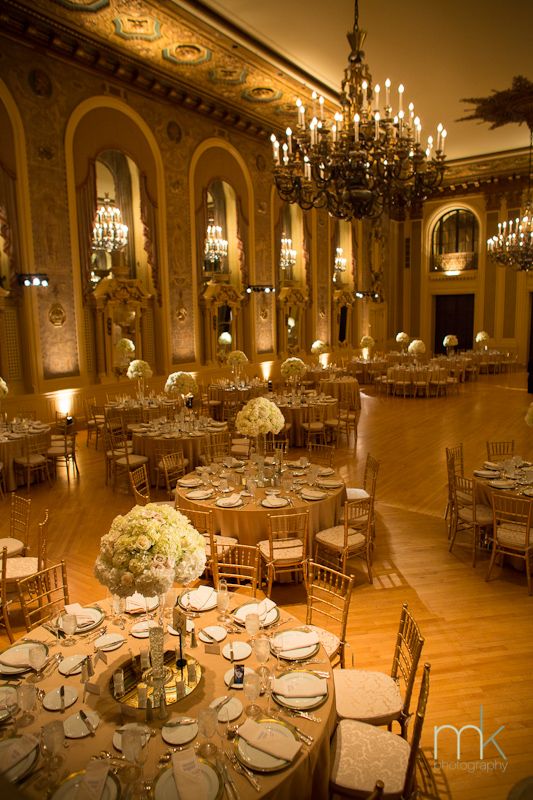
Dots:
pixel 242 770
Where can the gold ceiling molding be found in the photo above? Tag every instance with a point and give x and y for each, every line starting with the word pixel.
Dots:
pixel 132 26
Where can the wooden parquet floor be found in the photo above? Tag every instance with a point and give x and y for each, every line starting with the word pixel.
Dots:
pixel 479 636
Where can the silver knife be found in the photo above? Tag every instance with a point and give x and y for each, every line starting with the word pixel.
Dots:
pixel 210 639
pixel 62 698
pixel 228 782
pixel 86 721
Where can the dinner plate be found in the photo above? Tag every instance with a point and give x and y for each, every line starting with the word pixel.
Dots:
pixel 216 632
pixel 306 678
pixel 528 492
pixel 229 711
pixel 492 465
pixel 484 473
pixel 139 604
pixel 19 653
pixel 75 727
pixel 330 483
pixel 20 768
pixel 241 650
pixel 313 494
pixel 255 759
pixel 109 641
pixel 502 484
pixel 253 607
pixel 117 735
pixel 191 600
pixel 141 630
pixel 324 472
pixel 179 734
pixel 8 702
pixel 71 665
pixel 199 494
pixel 165 785
pixel 296 653
pixel 274 502
pixel 52 700
pixel 228 677
pixel 96 614
pixel 68 790
pixel 189 483
pixel 225 502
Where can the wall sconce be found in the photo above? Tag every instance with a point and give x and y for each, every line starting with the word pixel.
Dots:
pixel 267 289
pixel 375 296
pixel 33 279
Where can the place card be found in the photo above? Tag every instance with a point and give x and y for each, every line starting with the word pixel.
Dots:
pixel 213 648
pixel 93 688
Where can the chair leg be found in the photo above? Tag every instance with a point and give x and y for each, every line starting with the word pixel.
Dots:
pixel 491 562
pixel 528 572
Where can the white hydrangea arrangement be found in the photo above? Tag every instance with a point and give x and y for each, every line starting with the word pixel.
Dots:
pixel 4 391
pixel 181 383
pixel 402 337
pixel 236 358
pixel 293 368
pixel 139 369
pixel 529 415
pixel 259 416
pixel 318 347
pixel 417 347
pixel 147 549
pixel 125 346
pixel 367 341
pixel 482 336
pixel 450 340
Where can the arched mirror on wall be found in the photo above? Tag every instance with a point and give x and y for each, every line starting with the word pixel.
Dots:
pixel 343 296
pixel 292 295
pixel 455 242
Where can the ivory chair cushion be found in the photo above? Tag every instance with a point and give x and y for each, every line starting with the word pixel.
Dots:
pixel 134 460
pixel 328 640
pixel 363 754
pixel 353 493
pixel 512 535
pixel 282 555
pixel 223 543
pixel 372 697
pixel 20 567
pixel 483 514
pixel 334 537
pixel 14 546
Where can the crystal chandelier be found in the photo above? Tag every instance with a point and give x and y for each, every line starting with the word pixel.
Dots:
pixel 513 245
pixel 366 159
pixel 287 255
pixel 109 233
pixel 340 261
pixel 215 248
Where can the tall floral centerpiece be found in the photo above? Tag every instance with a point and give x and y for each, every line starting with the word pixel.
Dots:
pixel 318 348
pixel 293 370
pixel 416 348
pixel 482 337
pixel 257 418
pixel 182 384
pixel 139 370
pixel 450 343
pixel 402 339
pixel 4 391
pixel 366 344
pixel 236 360
pixel 529 415
pixel 147 549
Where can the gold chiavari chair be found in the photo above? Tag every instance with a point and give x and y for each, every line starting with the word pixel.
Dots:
pixel 285 550
pixel 353 539
pixel 328 602
pixel 512 523
pixel 140 485
pixel 34 462
pixel 44 595
pixel 238 565
pixel 499 451
pixel 19 526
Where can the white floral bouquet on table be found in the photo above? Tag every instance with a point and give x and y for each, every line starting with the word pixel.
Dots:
pixel 4 391
pixel 259 416
pixel 417 347
pixel 125 346
pixel 450 340
pixel 181 383
pixel 402 337
pixel 529 415
pixel 367 341
pixel 236 358
pixel 139 370
pixel 293 368
pixel 147 549
pixel 318 347
pixel 482 336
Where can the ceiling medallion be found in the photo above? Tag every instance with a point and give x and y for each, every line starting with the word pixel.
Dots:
pixel 187 54
pixel 231 76
pixel 261 94
pixel 129 26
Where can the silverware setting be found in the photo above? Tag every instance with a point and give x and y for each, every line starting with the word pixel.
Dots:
pixel 240 769
pixel 229 783
pixel 292 712
pixel 306 738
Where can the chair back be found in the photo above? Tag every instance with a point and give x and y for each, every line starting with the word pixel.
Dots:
pixel 499 451
pixel 42 541
pixel 320 453
pixel 286 532
pixel 173 466
pixel 457 453
pixel 407 652
pixel 328 599
pixel 462 491
pixel 238 565
pixel 19 526
pixel 514 515
pixel 140 485
pixel 410 773
pixel 371 475
pixel 219 444
pixel 43 595
pixel 3 596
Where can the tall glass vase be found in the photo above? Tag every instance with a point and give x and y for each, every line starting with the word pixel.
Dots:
pixel 140 389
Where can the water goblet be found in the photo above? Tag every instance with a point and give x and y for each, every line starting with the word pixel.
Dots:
pixel 8 703
pixel 252 625
pixel 51 743
pixel 251 688
pixel 222 599
pixel 37 659
pixel 26 696
pixel 69 623
pixel 207 727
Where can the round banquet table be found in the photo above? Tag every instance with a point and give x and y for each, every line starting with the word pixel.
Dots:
pixel 342 389
pixel 306 777
pixel 192 444
pixel 249 522
pixel 296 413
pixel 11 447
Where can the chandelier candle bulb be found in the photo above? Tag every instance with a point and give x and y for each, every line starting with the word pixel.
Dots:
pixel 387 94
pixel 356 121
pixel 377 90
pixel 443 142
pixel 376 125
pixel 364 87
pixel 289 139
pixel 321 104
pixel 401 90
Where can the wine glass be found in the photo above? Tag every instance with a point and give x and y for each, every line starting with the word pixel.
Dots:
pixel 207 727
pixel 261 648
pixel 26 696
pixel 69 623
pixel 251 688
pixel 8 703
pixel 37 659
pixel 223 599
pixel 252 625
pixel 51 743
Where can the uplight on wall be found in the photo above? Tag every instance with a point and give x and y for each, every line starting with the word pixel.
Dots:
pixel 33 279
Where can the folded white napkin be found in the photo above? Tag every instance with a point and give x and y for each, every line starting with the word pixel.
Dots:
pixel 199 494
pixel 262 608
pixel 17 751
pixel 272 501
pixel 191 783
pixel 491 465
pixel 91 786
pixel 136 602
pixel 16 658
pixel 268 741
pixel 190 480
pixel 325 471
pixel 296 687
pixel 83 616
pixel 312 494
pixel 229 501
pixel 200 597
pixel 295 640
